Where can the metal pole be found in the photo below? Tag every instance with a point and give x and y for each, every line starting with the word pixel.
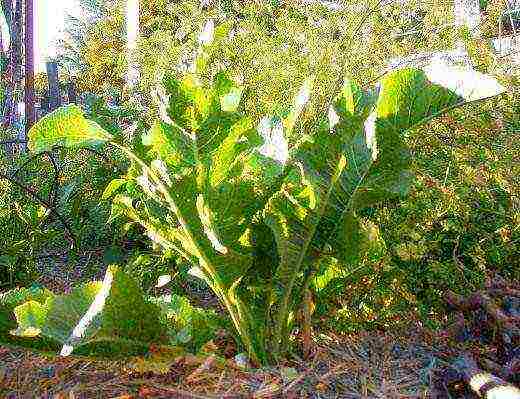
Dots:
pixel 132 36
pixel 72 95
pixel 30 115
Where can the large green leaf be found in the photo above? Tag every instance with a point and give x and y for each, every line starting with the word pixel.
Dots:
pixel 378 157
pixel 408 98
pixel 113 310
pixel 359 158
pixel 67 127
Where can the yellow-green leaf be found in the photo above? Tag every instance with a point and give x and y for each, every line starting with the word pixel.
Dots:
pixel 67 127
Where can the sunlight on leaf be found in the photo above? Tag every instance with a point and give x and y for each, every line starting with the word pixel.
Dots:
pixel 163 280
pixel 95 308
pixel 67 127
pixel 275 145
pixel 208 32
pixel 112 187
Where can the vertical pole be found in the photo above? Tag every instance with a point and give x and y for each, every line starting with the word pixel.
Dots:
pixel 54 85
pixel 72 95
pixel 44 104
pixel 132 35
pixel 30 116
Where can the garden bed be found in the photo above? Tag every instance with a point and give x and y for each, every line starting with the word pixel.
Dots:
pixel 375 365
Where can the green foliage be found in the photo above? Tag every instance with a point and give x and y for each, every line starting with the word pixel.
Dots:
pixel 32 237
pixel 74 130
pixel 269 46
pixel 457 226
pixel 257 220
pixel 192 327
pixel 104 317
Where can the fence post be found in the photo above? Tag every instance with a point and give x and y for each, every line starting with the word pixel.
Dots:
pixel 72 95
pixel 54 86
pixel 44 103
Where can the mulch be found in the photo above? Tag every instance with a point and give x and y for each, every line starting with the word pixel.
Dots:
pixel 407 362
pixel 368 365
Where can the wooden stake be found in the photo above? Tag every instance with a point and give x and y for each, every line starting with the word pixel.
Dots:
pixel 54 86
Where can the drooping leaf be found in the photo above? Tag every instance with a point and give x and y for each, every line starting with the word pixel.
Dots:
pixel 67 127
pixel 378 157
pixel 110 311
pixel 409 98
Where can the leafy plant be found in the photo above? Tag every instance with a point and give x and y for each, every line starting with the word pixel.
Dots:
pixel 103 317
pixel 256 211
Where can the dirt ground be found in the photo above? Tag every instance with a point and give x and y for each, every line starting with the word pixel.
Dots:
pixel 369 365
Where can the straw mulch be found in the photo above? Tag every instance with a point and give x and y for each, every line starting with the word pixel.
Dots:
pixel 369 365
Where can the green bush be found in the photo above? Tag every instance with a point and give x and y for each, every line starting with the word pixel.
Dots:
pixel 257 212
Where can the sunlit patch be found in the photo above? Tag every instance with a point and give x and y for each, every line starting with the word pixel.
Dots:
pixel 95 308
pixel 370 134
pixel 160 167
pixel 205 218
pixel 163 280
pixel 29 332
pixel 146 184
pixel 302 97
pixel 208 33
pixel 66 350
pixel 503 390
pixel 275 145
pixel 333 119
pixel 465 82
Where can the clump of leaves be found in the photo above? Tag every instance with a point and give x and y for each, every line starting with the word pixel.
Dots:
pixel 256 211
pixel 103 318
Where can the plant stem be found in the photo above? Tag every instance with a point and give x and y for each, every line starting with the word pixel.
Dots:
pixel 47 205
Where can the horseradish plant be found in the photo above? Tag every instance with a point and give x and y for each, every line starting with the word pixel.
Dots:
pixel 255 209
